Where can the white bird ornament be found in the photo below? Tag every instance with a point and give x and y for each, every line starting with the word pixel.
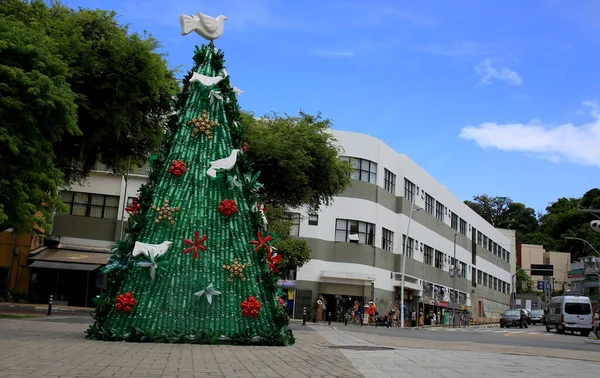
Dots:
pixel 225 163
pixel 208 27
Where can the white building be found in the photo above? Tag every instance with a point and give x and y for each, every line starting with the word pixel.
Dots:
pixel 357 242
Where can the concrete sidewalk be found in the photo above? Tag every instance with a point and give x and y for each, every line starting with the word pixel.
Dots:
pixel 42 309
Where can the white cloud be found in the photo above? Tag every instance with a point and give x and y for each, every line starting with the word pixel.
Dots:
pixel 489 73
pixel 568 142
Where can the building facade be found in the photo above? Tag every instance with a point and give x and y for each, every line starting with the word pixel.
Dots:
pixel 358 241
pixel 528 254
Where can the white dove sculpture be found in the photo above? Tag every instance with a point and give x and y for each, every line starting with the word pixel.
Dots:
pixel 208 27
pixel 225 163
pixel 151 251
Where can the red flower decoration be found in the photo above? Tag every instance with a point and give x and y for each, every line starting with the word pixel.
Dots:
pixel 134 207
pixel 273 258
pixel 125 302
pixel 177 168
pixel 281 303
pixel 261 242
pixel 262 208
pixel 250 307
pixel 227 207
pixel 195 245
pixel 244 147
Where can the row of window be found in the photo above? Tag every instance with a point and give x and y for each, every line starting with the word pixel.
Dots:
pixel 91 205
pixel 492 282
pixel 492 246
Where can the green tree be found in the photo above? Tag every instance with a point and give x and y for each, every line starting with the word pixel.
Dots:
pixel 37 109
pixel 298 159
pixel 523 282
pixel 295 252
pixel 206 272
pixel 119 88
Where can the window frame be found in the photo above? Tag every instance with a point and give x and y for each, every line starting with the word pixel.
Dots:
pixel 313 219
pixel 369 236
pixel 360 172
pixel 429 204
pixel 410 190
pixel 427 255
pixel 454 221
pixel 462 226
pixel 439 210
pixel 292 217
pixel 409 247
pixel 389 181
pixel 439 259
pixel 387 239
pixel 89 205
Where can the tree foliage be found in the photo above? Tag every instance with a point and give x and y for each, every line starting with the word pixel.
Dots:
pixel 37 109
pixel 77 89
pixel 298 159
pixel 295 252
pixel 523 282
pixel 561 218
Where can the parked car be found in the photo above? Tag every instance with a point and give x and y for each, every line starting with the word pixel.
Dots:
pixel 571 313
pixel 537 316
pixel 513 318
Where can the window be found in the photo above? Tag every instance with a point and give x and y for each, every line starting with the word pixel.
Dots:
pixel 387 239
pixel 409 190
pixel 508 288
pixel 429 203
pixel 485 242
pixel 463 227
pixel 503 287
pixel 503 252
pixel 409 247
pixel 479 276
pixel 354 231
pixel 295 219
pixel 485 279
pixel 495 249
pixel 91 205
pixel 463 270
pixel 428 255
pixel 495 283
pixel 439 259
pixel 454 221
pixel 313 219
pixel 577 308
pixel 474 277
pixel 439 210
pixel 489 246
pixel 364 170
pixel 479 238
pixel 389 181
pixel 507 256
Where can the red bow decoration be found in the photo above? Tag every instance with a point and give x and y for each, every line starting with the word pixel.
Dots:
pixel 273 258
pixel 134 207
pixel 228 207
pixel 262 208
pixel 250 307
pixel 195 245
pixel 261 242
pixel 280 301
pixel 244 147
pixel 125 302
pixel 177 168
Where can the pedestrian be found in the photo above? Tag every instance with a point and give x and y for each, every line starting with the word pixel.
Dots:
pixel 355 314
pixel 371 312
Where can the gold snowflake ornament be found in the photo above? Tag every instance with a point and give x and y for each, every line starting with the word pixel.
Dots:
pixel 165 212
pixel 236 269
pixel 202 125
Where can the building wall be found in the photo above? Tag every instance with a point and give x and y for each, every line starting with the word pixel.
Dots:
pixel 532 254
pixel 19 275
pixel 562 264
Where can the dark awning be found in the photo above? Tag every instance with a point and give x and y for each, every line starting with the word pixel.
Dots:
pixel 68 258
pixel 64 266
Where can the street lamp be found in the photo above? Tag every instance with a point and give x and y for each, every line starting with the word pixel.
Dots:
pixel 583 240
pixel 404 264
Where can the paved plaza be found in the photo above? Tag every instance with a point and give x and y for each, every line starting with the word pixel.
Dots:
pixel 55 347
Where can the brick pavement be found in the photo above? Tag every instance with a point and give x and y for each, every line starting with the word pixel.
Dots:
pixel 36 348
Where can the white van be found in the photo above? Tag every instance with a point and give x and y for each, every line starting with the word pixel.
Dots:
pixel 570 313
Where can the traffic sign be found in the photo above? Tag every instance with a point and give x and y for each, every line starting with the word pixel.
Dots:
pixel 540 285
pixel 542 270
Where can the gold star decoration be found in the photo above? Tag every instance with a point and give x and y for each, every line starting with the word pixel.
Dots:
pixel 202 125
pixel 165 212
pixel 236 269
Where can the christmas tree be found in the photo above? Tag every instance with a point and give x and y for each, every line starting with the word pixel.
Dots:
pixel 196 265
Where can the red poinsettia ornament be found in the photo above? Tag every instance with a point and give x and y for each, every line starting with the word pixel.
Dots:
pixel 250 307
pixel 261 242
pixel 228 207
pixel 177 168
pixel 273 258
pixel 125 302
pixel 244 147
pixel 135 206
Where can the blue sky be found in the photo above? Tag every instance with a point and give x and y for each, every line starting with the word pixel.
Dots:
pixel 495 97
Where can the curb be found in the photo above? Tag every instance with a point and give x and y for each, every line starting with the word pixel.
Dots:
pixel 43 309
pixel 593 341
